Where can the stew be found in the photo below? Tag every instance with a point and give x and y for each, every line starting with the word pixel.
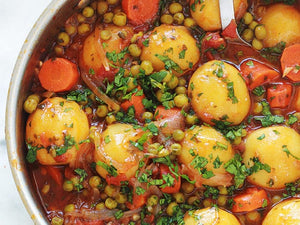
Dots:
pixel 146 112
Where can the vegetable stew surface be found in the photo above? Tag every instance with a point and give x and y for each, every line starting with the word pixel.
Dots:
pixel 147 112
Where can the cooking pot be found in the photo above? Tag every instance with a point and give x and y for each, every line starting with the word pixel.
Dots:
pixel 38 41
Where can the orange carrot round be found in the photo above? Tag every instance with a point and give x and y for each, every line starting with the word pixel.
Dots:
pixel 140 11
pixel 252 199
pixel 58 75
pixel 290 62
pixel 256 73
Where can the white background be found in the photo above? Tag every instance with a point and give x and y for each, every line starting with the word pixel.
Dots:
pixel 16 20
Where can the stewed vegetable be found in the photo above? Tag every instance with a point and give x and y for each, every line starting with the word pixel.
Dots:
pixel 144 112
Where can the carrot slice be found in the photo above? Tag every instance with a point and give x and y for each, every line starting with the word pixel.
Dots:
pixel 279 95
pixel 162 113
pixel 256 73
pixel 140 11
pixel 252 199
pixel 290 62
pixel 58 75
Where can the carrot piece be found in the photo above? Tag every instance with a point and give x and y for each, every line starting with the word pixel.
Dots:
pixel 279 95
pixel 290 62
pixel 55 174
pixel 162 113
pixel 137 103
pixel 256 73
pixel 230 30
pixel 140 11
pixel 58 75
pixel 252 199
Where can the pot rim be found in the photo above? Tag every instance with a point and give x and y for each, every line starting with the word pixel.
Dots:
pixel 16 163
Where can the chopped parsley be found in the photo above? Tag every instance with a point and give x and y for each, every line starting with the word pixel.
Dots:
pixel 236 167
pixel 182 54
pixel 69 142
pixel 146 42
pixel 288 153
pixel 292 119
pixel 258 91
pixel 116 57
pixel 118 214
pixel 261 137
pixel 268 119
pixel 199 163
pixel 231 93
pixel 31 154
pixel 169 63
pixel 140 190
pixel 82 175
pixel 110 169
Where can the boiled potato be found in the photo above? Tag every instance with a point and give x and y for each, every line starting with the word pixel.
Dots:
pixel 207 144
pixel 53 121
pixel 207 13
pixel 286 212
pixel 278 147
pixel 282 23
pixel 93 54
pixel 113 147
pixel 210 216
pixel 218 92
pixel 175 43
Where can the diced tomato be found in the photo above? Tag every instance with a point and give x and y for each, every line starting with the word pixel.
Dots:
pixel 164 170
pixel 116 180
pixel 279 95
pixel 213 40
pixel 137 103
pixel 256 73
pixel 163 113
pixel 137 201
pixel 252 199
pixel 230 30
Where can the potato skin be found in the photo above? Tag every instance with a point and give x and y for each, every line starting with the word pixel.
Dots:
pixel 270 150
pixel 50 123
pixel 210 216
pixel 113 147
pixel 207 14
pixel 210 144
pixel 93 54
pixel 285 212
pixel 282 23
pixel 209 93
pixel 169 41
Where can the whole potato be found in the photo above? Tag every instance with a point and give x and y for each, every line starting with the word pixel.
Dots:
pixel 210 216
pixel 218 92
pixel 282 23
pixel 206 13
pixel 114 148
pixel 286 212
pixel 278 147
pixel 55 120
pixel 174 43
pixel 207 144
pixel 93 54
